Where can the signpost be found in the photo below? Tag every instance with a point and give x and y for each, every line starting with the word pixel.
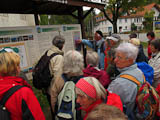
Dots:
pixel 156 28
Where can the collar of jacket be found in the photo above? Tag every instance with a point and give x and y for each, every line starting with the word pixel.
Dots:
pixel 91 107
pixel 99 43
pixel 13 80
pixel 128 68
pixel 156 55
pixel 56 50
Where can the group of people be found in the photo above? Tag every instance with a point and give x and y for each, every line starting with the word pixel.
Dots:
pixel 101 92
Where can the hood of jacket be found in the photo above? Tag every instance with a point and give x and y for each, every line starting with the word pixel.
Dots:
pixel 56 50
pixel 9 81
pixel 101 75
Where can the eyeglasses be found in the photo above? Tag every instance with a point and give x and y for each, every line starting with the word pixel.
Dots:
pixel 120 58
pixel 9 49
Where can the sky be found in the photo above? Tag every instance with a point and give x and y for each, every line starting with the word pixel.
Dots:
pixel 87 8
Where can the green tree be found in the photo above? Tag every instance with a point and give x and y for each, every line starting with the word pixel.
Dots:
pixel 152 1
pixel 115 8
pixel 62 19
pixel 148 23
pixel 133 27
pixel 43 19
pixel 90 23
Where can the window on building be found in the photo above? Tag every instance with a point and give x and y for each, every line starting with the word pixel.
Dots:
pixel 120 20
pixel 140 19
pixel 155 18
pixel 126 20
pixel 109 29
pixel 120 29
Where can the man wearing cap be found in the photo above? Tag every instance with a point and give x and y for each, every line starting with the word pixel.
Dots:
pixel 98 45
pixel 111 43
pixel 113 40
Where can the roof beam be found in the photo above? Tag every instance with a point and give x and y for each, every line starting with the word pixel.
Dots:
pixel 88 4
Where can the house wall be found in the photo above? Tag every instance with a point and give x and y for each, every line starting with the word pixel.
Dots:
pixel 124 23
pixel 12 20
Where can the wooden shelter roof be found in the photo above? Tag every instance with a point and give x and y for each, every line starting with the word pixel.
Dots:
pixel 58 7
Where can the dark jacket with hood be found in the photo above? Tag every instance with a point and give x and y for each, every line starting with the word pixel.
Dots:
pixel 141 57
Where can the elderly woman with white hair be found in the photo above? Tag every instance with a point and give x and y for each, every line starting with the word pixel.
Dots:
pixel 91 93
pixel 72 71
pixel 125 58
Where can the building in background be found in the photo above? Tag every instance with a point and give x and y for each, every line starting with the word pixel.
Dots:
pixel 124 22
pixel 13 20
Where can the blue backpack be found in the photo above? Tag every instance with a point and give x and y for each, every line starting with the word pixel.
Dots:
pixel 147 71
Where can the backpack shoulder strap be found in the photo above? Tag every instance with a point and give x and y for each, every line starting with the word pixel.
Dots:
pixel 131 78
pixel 65 78
pixel 9 93
pixel 54 54
pixel 106 99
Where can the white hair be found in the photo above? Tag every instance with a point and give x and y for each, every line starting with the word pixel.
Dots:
pixel 100 90
pixel 73 63
pixel 92 58
pixel 130 50
pixel 135 41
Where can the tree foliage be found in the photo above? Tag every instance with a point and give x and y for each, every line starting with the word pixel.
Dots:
pixel 115 8
pixel 43 19
pixel 62 19
pixel 90 23
pixel 133 27
pixel 148 23
pixel 152 1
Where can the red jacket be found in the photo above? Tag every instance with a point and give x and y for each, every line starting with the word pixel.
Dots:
pixel 101 75
pixel 113 100
pixel 149 51
pixel 23 103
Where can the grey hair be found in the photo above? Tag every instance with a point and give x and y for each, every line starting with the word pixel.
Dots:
pixel 100 90
pixel 58 41
pixel 73 63
pixel 92 58
pixel 130 50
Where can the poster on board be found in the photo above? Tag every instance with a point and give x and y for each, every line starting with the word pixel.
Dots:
pixel 32 42
pixel 71 33
pixel 21 52
pixel 23 38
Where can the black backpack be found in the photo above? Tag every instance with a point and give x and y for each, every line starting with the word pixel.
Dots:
pixel 4 113
pixel 41 73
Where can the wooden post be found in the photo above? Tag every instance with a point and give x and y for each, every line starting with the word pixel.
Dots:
pixel 81 22
pixel 36 19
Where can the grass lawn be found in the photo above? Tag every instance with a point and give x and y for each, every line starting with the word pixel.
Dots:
pixel 43 101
